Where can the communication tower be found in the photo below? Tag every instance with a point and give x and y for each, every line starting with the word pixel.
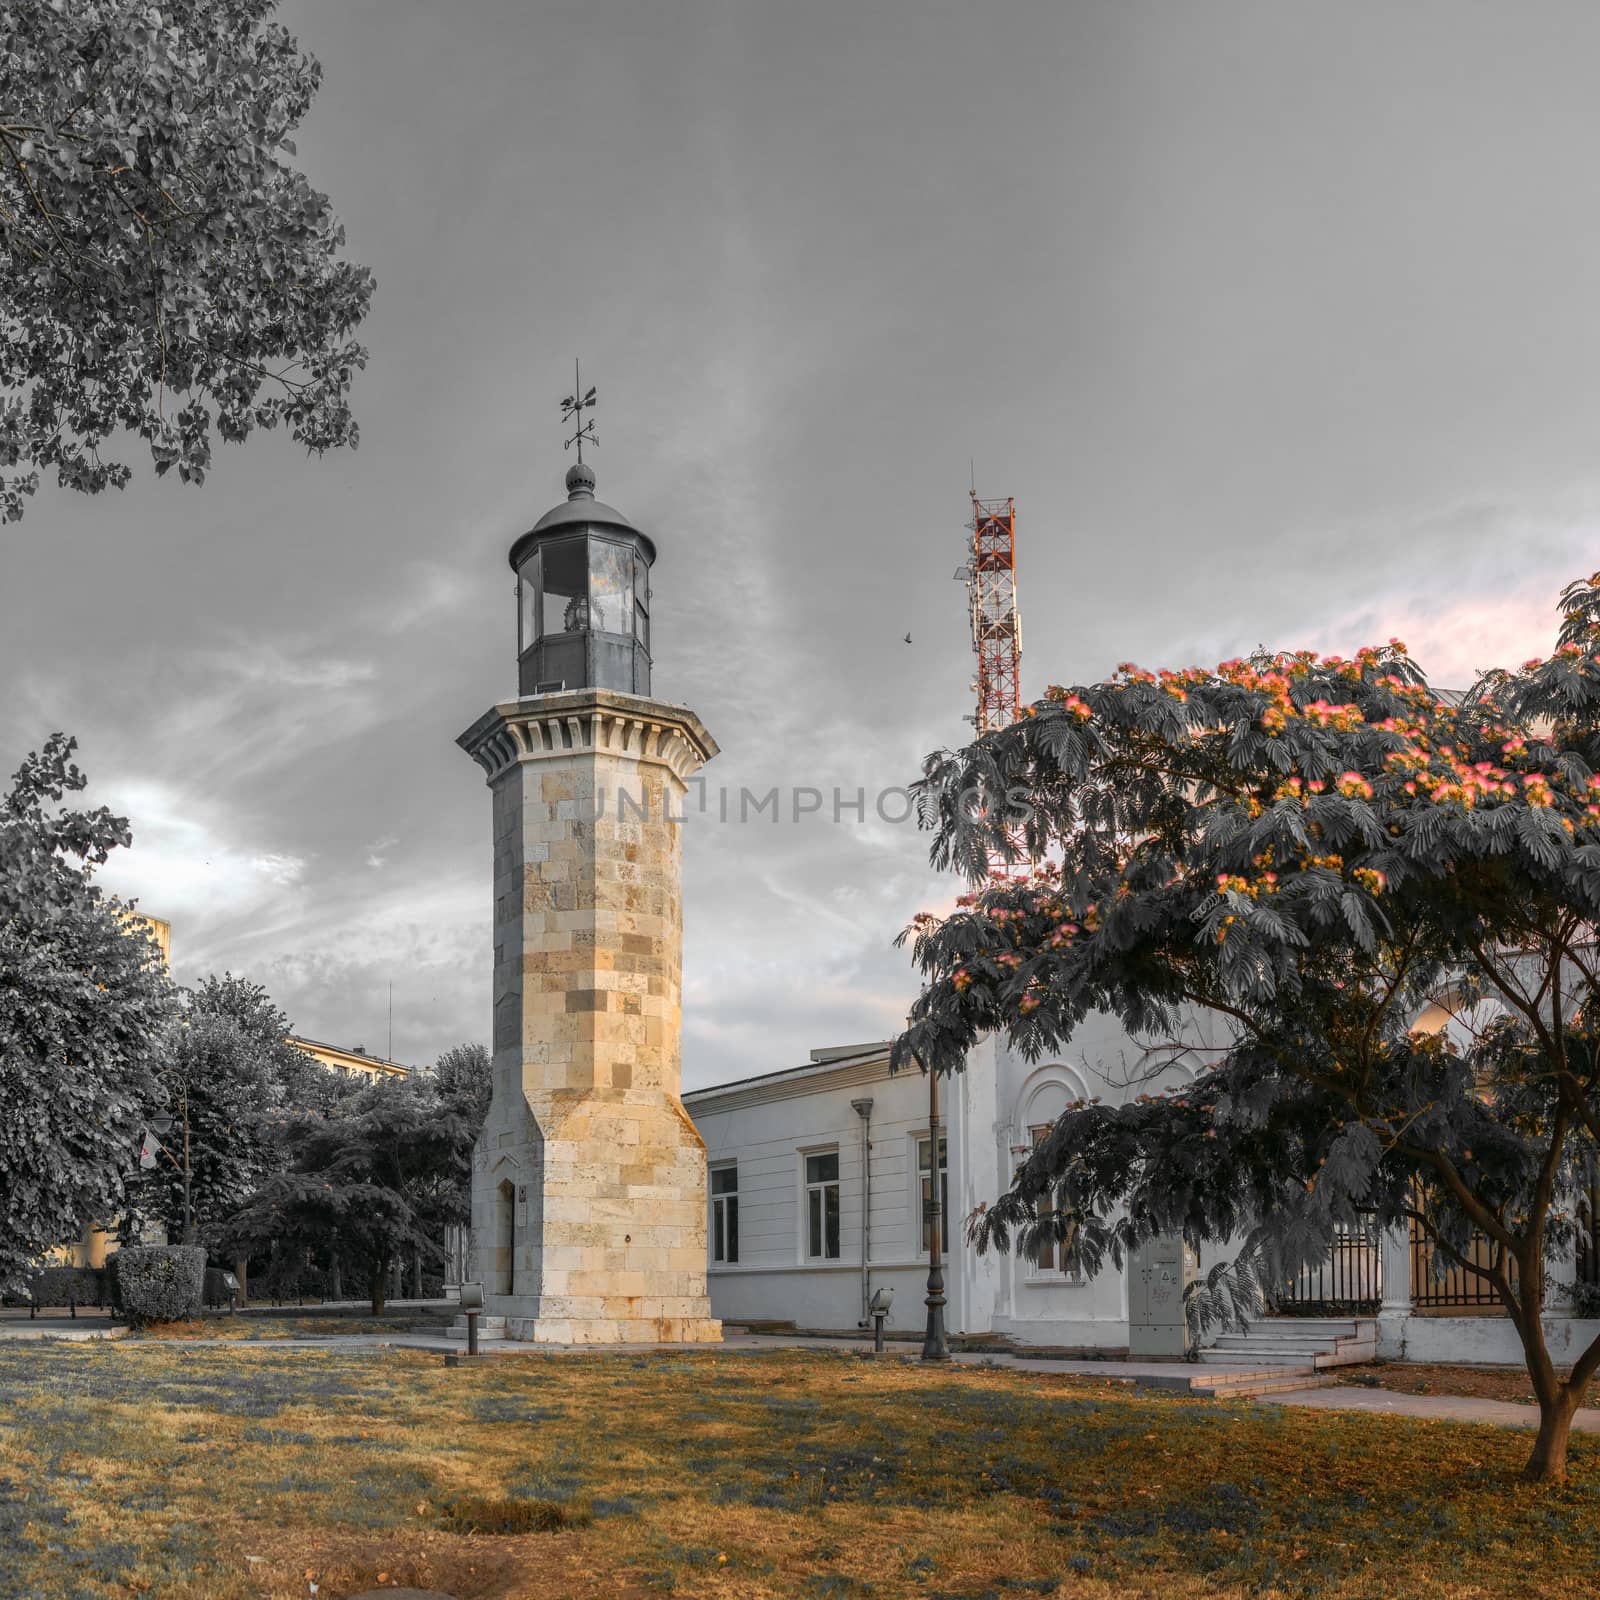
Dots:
pixel 990 574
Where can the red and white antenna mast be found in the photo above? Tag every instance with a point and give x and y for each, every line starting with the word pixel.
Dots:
pixel 991 578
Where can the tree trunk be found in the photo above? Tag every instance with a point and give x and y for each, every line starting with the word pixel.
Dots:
pixel 1548 1463
pixel 1557 1400
pixel 376 1284
pixel 241 1271
pixel 335 1281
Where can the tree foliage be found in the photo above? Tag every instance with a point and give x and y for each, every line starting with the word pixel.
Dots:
pixel 84 1008
pixel 229 1074
pixel 464 1079
pixel 166 270
pixel 370 1185
pixel 1386 895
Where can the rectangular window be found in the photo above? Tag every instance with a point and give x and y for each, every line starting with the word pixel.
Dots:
pixel 725 1213
pixel 925 1192
pixel 822 1206
pixel 1053 1255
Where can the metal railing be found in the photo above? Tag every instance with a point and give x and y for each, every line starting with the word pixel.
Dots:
pixel 1441 1284
pixel 1347 1282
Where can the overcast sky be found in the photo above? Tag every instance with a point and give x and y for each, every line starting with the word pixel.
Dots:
pixel 1278 320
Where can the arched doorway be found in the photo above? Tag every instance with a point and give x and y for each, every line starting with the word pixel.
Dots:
pixel 508 1238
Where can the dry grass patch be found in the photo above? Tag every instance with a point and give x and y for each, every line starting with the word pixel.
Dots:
pixel 288 1325
pixel 163 1469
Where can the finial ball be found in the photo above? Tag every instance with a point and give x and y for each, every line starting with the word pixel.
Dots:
pixel 580 481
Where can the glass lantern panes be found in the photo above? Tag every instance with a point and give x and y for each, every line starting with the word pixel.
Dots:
pixel 528 603
pixel 641 603
pixel 564 588
pixel 610 586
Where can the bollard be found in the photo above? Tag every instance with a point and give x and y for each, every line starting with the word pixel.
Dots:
pixel 472 1333
pixel 877 1333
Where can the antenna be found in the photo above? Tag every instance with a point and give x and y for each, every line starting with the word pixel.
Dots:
pixel 990 574
pixel 391 1022
pixel 572 409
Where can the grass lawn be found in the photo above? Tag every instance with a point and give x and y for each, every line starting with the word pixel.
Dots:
pixel 140 1468
pixel 292 1325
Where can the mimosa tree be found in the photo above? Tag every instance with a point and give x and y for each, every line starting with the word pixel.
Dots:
pixel 1386 895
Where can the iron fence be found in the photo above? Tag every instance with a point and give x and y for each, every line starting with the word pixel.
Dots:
pixel 1439 1283
pixel 1347 1282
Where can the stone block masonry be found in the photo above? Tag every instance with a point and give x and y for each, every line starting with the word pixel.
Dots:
pixel 589 1179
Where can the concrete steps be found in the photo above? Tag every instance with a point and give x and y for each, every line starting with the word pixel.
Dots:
pixel 1304 1343
pixel 1237 1386
pixel 1235 1382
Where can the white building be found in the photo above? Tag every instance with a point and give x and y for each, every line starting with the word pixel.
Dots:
pixel 820 1173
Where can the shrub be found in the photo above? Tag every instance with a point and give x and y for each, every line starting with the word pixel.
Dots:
pixel 1586 1299
pixel 68 1286
pixel 161 1283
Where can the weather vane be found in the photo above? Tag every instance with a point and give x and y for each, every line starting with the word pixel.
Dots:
pixel 572 410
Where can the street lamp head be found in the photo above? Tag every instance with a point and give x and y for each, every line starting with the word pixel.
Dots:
pixel 162 1123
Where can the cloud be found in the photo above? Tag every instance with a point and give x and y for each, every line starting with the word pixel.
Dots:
pixel 187 864
pixel 377 854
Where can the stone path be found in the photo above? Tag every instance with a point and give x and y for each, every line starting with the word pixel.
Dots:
pixel 1439 1407
pixel 83 1327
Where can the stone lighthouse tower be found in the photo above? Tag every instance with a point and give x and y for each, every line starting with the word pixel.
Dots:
pixel 589 1179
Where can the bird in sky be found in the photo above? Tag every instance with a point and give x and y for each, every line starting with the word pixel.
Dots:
pixel 908 638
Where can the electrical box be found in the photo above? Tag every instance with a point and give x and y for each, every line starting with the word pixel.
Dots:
pixel 1158 1272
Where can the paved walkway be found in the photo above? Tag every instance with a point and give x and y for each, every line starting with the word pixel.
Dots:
pixel 1439 1407
pixel 90 1323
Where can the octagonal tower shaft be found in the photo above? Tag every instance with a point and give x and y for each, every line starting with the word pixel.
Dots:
pixel 589 1179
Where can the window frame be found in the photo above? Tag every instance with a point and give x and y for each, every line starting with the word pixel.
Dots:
pixel 1056 1270
pixel 819 1188
pixel 921 1183
pixel 723 1226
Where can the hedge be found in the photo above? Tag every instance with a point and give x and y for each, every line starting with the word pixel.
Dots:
pixel 68 1286
pixel 161 1283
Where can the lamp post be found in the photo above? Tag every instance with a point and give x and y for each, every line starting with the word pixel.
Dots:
pixel 935 1347
pixel 163 1124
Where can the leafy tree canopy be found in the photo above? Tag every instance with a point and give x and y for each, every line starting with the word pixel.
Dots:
pixel 84 1008
pixel 464 1077
pixel 166 271
pixel 229 1073
pixel 1385 895
pixel 376 1182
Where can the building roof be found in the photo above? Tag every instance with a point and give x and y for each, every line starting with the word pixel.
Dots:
pixel 858 1060
pixel 357 1060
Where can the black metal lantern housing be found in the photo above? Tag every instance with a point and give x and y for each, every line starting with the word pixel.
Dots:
pixel 583 597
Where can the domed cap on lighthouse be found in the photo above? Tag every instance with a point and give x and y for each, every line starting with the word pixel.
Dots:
pixel 579 509
pixel 583 588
